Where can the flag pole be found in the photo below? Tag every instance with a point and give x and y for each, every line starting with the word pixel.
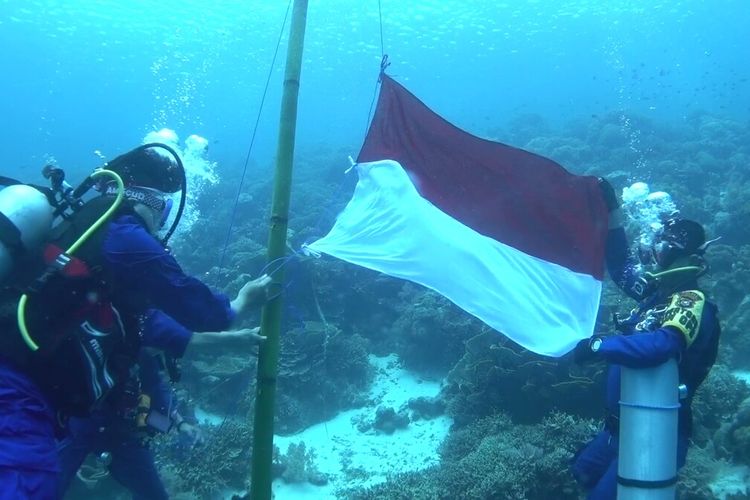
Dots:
pixel 260 487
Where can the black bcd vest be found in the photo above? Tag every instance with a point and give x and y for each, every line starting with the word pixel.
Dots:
pixel 86 345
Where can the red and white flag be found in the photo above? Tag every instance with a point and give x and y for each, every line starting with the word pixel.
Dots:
pixel 507 235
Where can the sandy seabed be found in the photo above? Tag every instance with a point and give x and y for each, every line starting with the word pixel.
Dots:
pixel 351 458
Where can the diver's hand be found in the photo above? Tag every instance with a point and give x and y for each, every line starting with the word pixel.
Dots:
pixel 587 350
pixel 192 434
pixel 243 335
pixel 253 293
pixel 239 337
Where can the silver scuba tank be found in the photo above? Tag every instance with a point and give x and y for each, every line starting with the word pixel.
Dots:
pixel 27 219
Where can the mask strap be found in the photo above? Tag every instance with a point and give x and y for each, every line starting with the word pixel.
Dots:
pixel 165 212
pixel 707 244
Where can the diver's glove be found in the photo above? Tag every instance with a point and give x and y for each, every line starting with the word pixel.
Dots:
pixel 587 350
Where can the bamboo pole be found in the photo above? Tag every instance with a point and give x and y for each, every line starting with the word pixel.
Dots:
pixel 260 488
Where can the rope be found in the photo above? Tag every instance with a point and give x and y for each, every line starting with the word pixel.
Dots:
pixel 380 18
pixel 383 64
pixel 252 139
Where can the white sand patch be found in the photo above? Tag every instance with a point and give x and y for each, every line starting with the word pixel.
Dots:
pixel 205 418
pixel 733 481
pixel 352 458
pixel 742 375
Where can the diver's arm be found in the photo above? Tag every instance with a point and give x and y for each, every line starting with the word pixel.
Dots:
pixel 162 332
pixel 642 350
pixel 622 265
pixel 229 338
pixel 142 267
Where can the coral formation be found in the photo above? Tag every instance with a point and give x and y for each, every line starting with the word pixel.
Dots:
pixel 426 408
pixel 494 374
pixel 715 402
pixel 298 465
pixel 732 440
pixel 429 331
pixel 494 458
pixel 220 463
pixel 321 371
pixel 388 421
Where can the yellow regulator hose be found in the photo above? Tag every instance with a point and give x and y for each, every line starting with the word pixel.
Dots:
pixel 21 312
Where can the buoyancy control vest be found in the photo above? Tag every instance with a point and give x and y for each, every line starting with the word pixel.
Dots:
pixel 85 345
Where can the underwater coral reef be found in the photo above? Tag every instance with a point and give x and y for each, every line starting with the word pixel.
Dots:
pixel 517 418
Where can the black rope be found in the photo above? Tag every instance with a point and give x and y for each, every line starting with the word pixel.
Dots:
pixel 252 139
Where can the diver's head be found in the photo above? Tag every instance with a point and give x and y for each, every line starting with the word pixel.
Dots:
pixel 149 178
pixel 677 243
pixel 679 240
pixel 675 258
pixel 147 168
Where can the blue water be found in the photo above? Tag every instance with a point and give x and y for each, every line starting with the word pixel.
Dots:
pixel 82 79
pixel 80 76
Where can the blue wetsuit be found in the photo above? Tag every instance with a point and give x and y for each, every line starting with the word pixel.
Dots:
pixel 28 460
pixel 650 338
pixel 107 430
pixel 143 275
pixel 143 272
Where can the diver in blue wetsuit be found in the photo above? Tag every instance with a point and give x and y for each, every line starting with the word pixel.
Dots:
pixel 88 328
pixel 673 319
pixel 119 432
pixel 141 407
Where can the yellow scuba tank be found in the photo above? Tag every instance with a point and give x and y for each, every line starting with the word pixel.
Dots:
pixel 25 221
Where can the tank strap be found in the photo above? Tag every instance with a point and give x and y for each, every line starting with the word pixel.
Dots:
pixel 8 181
pixel 647 485
pixel 10 236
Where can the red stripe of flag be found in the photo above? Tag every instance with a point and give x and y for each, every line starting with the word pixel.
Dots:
pixel 516 197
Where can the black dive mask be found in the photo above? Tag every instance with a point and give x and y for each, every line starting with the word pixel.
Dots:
pixel 662 252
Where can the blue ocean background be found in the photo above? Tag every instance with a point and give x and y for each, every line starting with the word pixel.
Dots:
pixel 633 90
pixel 80 76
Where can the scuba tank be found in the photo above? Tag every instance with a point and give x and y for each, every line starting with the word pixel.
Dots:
pixel 27 214
pixel 61 200
pixel 25 221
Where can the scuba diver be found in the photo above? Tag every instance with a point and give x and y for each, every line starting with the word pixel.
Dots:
pixel 673 319
pixel 141 407
pixel 73 299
